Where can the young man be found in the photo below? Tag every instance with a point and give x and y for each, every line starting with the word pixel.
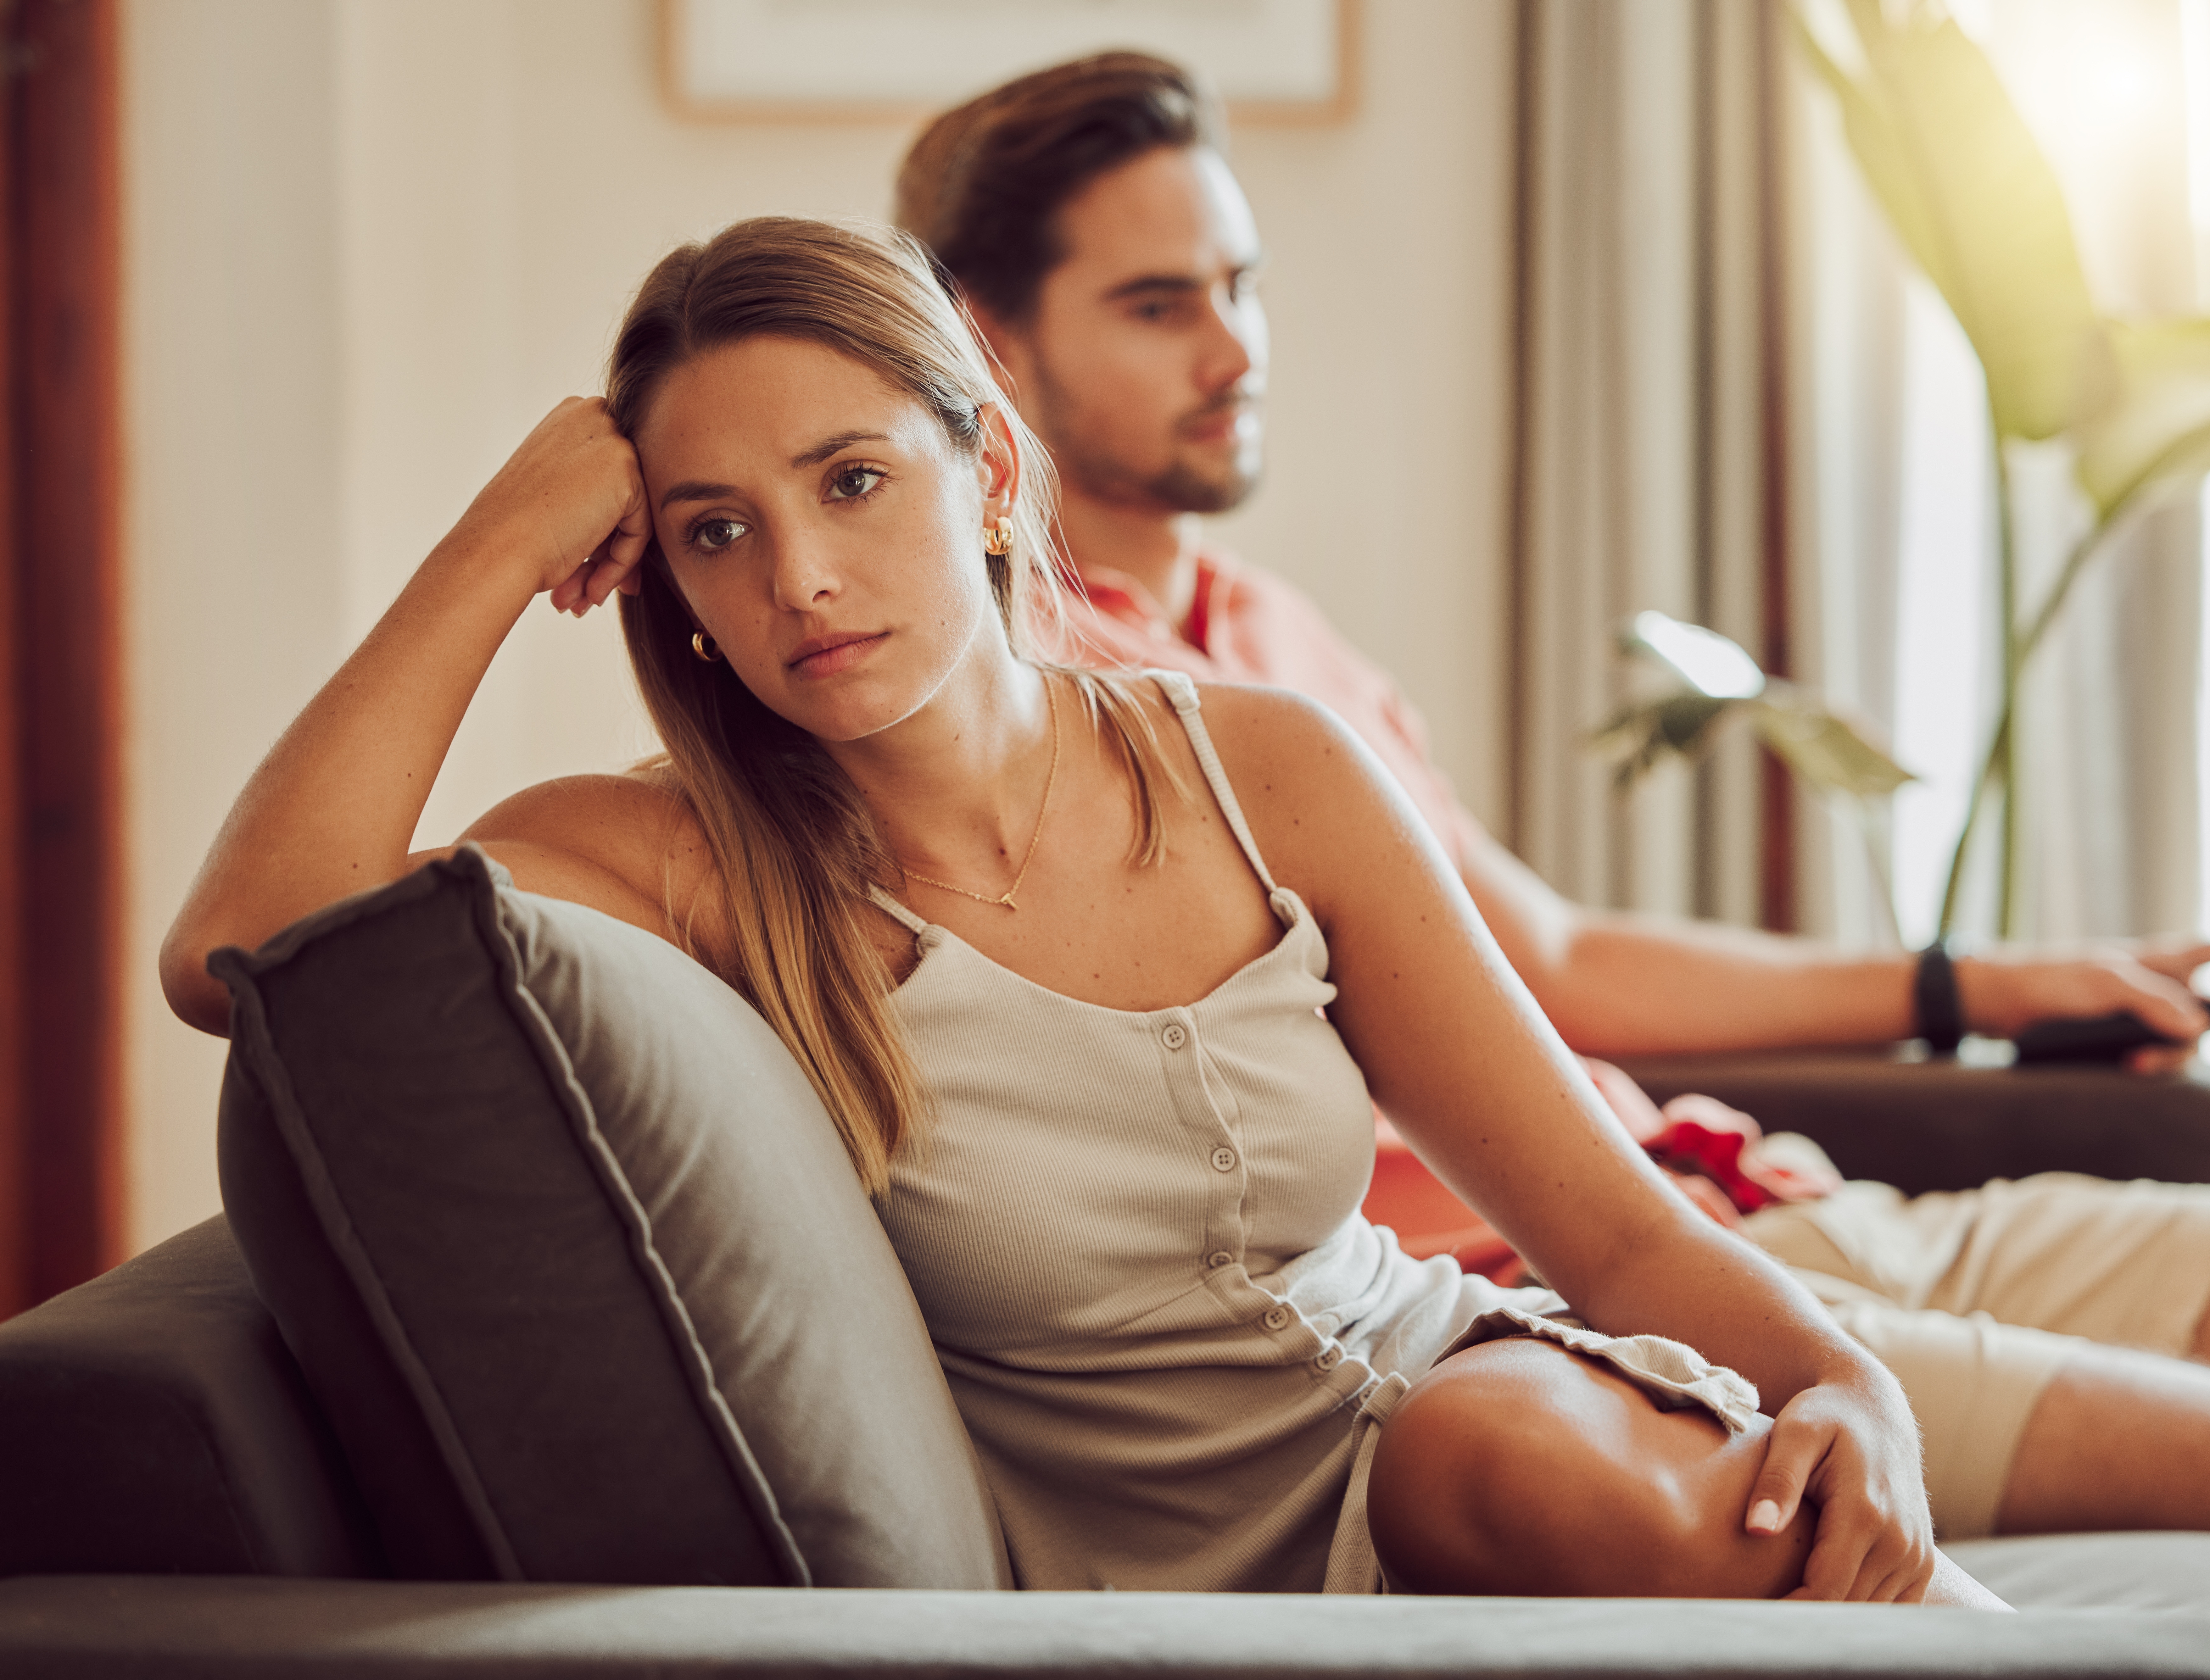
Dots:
pixel 1094 228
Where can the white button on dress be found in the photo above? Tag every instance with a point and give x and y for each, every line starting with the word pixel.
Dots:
pixel 1175 1037
pixel 1223 1159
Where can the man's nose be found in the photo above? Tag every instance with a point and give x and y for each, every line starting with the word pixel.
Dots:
pixel 1236 342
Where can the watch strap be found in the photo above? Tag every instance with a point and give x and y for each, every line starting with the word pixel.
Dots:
pixel 1939 1010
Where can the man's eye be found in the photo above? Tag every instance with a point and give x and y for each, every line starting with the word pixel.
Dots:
pixel 712 534
pixel 855 483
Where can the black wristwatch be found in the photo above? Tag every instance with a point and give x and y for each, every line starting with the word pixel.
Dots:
pixel 1939 1011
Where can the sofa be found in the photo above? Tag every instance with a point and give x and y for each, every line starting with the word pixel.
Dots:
pixel 339 1431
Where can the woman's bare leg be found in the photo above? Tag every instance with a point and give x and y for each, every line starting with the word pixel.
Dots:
pixel 2120 1439
pixel 1520 1467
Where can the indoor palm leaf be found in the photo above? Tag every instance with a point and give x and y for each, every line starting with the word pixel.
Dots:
pixel 1974 199
pixel 1721 684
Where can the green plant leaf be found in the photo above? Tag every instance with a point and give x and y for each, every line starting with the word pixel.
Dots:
pixel 1826 749
pixel 2159 427
pixel 1679 725
pixel 1974 199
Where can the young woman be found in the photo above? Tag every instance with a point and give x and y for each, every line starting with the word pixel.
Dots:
pixel 1055 949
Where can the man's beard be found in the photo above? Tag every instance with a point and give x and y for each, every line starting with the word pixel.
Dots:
pixel 1098 473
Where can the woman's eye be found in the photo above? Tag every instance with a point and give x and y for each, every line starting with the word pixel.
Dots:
pixel 855 483
pixel 712 534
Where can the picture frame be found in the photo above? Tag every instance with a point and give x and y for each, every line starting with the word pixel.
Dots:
pixel 898 61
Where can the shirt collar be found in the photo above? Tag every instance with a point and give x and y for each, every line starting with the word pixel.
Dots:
pixel 1117 592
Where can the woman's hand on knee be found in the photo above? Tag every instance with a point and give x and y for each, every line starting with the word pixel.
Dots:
pixel 1851 1448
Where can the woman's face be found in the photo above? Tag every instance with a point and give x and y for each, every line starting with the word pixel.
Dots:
pixel 826 534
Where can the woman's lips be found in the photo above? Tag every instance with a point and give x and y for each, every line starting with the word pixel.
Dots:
pixel 826 655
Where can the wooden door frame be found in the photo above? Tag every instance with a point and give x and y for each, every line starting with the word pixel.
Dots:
pixel 62 1171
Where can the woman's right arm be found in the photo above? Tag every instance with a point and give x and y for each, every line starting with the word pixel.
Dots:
pixel 332 809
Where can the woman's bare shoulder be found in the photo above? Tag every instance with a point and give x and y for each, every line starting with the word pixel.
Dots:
pixel 1315 796
pixel 614 814
pixel 1296 746
pixel 627 843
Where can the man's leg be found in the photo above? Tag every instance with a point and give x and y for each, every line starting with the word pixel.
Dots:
pixel 2027 1432
pixel 2119 1440
pixel 1518 1467
pixel 2126 1264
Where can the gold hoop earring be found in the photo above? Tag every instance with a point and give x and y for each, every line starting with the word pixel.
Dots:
pixel 702 645
pixel 998 539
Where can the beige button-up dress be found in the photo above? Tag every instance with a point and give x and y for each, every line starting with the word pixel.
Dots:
pixel 1135 1237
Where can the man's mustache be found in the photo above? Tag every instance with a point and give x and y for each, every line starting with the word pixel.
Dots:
pixel 1229 401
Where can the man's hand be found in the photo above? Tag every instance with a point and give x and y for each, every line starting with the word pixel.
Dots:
pixel 2006 990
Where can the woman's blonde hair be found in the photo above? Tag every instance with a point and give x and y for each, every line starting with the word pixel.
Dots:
pixel 795 846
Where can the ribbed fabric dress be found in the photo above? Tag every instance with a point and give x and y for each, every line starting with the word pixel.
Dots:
pixel 1135 1236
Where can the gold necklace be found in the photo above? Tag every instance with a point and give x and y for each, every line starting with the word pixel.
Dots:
pixel 1051 697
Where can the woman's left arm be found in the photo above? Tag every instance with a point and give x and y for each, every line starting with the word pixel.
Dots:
pixel 1456 1052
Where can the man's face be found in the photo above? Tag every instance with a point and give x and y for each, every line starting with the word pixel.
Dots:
pixel 1144 364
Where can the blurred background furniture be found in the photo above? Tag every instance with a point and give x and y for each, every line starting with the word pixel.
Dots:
pixel 1945 1125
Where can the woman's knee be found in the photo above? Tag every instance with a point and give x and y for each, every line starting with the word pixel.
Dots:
pixel 1520 1467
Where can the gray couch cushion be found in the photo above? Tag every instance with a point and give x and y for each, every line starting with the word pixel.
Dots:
pixel 2152 1571
pixel 369 1630
pixel 151 1421
pixel 572 1257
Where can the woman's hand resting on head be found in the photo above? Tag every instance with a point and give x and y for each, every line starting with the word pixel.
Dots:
pixel 1851 1448
pixel 333 809
pixel 570 505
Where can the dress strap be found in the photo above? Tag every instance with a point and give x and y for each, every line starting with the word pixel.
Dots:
pixel 896 912
pixel 1181 694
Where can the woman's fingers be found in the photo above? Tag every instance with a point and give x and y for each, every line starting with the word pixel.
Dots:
pixel 615 564
pixel 569 501
pixel 1855 1558
pixel 1872 1542
pixel 1792 1452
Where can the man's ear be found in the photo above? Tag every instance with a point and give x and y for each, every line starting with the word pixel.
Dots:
pixel 1008 350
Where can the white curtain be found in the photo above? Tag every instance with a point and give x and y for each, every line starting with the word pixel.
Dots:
pixel 1650 472
pixel 1737 403
pixel 1896 532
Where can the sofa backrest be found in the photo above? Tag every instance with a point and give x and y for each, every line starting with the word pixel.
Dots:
pixel 151 1422
pixel 574 1259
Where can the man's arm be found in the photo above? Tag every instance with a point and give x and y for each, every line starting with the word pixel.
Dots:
pixel 1617 983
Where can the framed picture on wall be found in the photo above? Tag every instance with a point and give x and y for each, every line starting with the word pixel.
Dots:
pixel 779 61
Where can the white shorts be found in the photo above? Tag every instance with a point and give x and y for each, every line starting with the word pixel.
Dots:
pixel 1975 1298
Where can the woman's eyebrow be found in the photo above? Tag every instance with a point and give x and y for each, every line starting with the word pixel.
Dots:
pixel 695 489
pixel 828 446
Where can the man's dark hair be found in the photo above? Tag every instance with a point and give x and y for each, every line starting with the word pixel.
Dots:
pixel 983 185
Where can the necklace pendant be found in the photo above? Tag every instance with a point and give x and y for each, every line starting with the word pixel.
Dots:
pixel 1006 899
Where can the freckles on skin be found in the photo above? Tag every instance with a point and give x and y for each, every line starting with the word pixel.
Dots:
pixel 801 499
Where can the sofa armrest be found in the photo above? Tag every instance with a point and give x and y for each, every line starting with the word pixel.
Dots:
pixel 363 1630
pixel 151 1420
pixel 1940 1125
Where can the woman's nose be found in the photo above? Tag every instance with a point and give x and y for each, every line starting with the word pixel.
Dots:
pixel 804 576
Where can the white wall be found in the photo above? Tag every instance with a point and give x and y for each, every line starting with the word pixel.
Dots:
pixel 369 242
